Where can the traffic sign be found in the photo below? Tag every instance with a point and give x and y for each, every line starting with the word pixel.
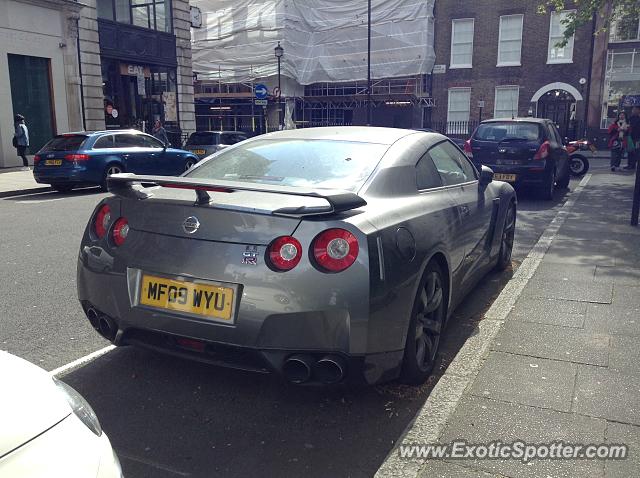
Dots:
pixel 276 92
pixel 260 102
pixel 260 91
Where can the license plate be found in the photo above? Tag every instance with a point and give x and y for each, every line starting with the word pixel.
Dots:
pixel 53 162
pixel 204 300
pixel 198 151
pixel 504 177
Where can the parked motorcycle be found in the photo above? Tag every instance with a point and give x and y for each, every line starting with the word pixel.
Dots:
pixel 578 162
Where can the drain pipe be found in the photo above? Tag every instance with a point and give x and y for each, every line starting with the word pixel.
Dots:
pixel 84 120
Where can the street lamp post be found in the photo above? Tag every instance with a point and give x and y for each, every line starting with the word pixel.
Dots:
pixel 279 51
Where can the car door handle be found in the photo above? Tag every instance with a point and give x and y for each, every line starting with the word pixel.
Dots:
pixel 464 210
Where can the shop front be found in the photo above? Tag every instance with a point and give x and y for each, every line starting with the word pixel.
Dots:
pixel 136 95
pixel 139 76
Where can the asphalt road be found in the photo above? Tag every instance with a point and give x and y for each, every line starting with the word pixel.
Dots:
pixel 170 417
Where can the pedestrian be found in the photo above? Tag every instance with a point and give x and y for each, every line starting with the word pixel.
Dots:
pixel 160 133
pixel 633 154
pixel 21 139
pixel 618 132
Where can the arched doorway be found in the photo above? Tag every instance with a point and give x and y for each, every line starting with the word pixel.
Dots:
pixel 558 102
pixel 558 106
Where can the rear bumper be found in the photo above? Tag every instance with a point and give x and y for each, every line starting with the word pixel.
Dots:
pixel 259 340
pixel 65 176
pixel 526 175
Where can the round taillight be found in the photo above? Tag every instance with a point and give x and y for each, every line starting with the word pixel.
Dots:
pixel 335 250
pixel 120 231
pixel 101 224
pixel 284 253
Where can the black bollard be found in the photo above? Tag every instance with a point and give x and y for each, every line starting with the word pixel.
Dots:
pixel 635 210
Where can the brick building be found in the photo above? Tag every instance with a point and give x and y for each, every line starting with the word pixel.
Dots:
pixel 498 58
pixel 615 76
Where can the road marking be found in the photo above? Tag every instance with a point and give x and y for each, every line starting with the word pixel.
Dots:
pixel 150 463
pixel 82 361
pixel 39 201
pixel 432 418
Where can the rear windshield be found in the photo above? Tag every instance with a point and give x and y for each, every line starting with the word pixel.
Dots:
pixel 500 131
pixel 65 143
pixel 292 162
pixel 203 138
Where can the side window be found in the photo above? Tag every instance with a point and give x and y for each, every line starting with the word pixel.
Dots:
pixel 150 141
pixel 129 141
pixel 104 142
pixel 427 176
pixel 453 168
pixel 228 139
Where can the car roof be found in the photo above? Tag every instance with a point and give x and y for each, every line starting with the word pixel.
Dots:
pixel 361 134
pixel 517 120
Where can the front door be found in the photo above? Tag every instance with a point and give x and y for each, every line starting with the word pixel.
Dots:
pixel 474 209
pixel 556 105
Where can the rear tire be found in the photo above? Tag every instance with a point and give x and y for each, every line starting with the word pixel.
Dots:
pixel 506 241
pixel 578 165
pixel 189 164
pixel 549 187
pixel 62 188
pixel 426 324
pixel 108 171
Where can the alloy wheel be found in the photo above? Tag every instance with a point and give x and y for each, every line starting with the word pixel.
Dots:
pixel 429 321
pixel 113 170
pixel 508 234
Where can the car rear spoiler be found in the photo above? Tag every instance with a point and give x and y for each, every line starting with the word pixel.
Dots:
pixel 132 186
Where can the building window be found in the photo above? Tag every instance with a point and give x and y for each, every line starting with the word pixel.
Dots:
pixel 461 43
pixel 510 40
pixel 622 77
pixel 152 14
pixel 626 28
pixel 458 110
pixel 562 54
pixel 506 103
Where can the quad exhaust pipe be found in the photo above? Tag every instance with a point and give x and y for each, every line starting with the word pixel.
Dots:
pixel 330 369
pixel 102 323
pixel 297 368
pixel 300 368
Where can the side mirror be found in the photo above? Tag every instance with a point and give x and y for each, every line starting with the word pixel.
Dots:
pixel 486 175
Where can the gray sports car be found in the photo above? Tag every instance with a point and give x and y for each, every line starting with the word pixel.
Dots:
pixel 324 255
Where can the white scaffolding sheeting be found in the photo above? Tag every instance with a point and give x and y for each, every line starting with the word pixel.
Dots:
pixel 323 40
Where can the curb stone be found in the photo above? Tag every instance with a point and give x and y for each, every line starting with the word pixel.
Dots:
pixel 22 192
pixel 432 418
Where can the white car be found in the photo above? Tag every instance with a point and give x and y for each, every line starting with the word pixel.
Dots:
pixel 47 428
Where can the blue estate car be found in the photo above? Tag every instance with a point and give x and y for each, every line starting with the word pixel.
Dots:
pixel 85 158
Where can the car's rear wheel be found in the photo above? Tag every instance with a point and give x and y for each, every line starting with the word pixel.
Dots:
pixel 62 188
pixel 189 164
pixel 506 241
pixel 425 326
pixel 549 187
pixel 108 171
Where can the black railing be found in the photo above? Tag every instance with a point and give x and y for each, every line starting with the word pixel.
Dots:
pixel 454 129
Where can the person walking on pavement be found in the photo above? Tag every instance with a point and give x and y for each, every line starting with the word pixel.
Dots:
pixel 21 139
pixel 160 133
pixel 618 132
pixel 634 136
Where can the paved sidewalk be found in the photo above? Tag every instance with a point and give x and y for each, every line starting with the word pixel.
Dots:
pixel 562 362
pixel 14 181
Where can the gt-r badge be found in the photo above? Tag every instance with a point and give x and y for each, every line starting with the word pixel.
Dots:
pixel 250 256
pixel 191 225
